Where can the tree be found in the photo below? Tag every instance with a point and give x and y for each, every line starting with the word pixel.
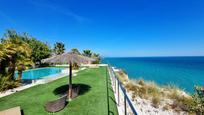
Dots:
pixel 97 58
pixel 15 52
pixel 75 50
pixel 6 52
pixel 59 48
pixel 95 55
pixel 40 50
pixel 87 53
pixel 10 33
pixel 198 101
pixel 1 52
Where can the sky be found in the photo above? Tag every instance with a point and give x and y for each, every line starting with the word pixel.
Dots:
pixel 113 28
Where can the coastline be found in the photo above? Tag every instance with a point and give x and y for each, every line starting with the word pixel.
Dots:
pixel 184 72
pixel 148 105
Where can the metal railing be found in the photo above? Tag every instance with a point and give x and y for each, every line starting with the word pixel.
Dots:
pixel 117 87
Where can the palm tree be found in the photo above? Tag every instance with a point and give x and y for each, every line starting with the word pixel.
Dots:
pixel 59 48
pixel 75 50
pixel 97 57
pixel 6 52
pixel 1 52
pixel 87 53
pixel 16 52
pixel 1 58
pixel 22 57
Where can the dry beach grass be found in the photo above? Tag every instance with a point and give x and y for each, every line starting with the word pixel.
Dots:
pixel 155 99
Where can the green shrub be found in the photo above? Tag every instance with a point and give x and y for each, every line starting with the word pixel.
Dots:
pixel 6 83
pixel 198 101
pixel 186 103
pixel 180 102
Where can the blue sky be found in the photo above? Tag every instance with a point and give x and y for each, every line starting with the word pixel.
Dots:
pixel 111 27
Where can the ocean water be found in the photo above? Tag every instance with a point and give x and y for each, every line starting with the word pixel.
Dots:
pixel 184 72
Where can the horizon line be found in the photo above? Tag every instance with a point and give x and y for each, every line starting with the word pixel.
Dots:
pixel 147 56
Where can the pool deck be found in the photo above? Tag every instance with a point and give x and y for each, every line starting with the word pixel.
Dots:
pixel 45 80
pixel 34 83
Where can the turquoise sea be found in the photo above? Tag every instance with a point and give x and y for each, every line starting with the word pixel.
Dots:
pixel 184 72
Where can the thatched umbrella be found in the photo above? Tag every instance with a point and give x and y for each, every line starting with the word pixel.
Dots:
pixel 65 58
pixel 68 58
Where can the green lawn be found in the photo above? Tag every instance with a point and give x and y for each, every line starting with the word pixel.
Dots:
pixel 93 99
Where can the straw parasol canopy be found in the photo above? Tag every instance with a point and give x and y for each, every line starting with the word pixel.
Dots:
pixel 66 58
pixel 69 58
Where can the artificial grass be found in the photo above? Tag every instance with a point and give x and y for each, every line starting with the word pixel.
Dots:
pixel 93 99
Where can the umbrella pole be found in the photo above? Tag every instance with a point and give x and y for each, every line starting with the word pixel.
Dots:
pixel 70 80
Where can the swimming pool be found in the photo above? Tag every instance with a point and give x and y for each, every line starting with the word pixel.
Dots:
pixel 40 73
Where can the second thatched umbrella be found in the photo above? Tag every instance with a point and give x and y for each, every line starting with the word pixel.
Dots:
pixel 69 58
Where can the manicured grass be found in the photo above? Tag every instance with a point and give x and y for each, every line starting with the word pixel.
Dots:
pixel 93 99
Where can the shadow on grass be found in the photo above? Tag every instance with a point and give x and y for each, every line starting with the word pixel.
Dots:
pixel 113 100
pixel 110 97
pixel 64 88
pixel 111 89
pixel 22 113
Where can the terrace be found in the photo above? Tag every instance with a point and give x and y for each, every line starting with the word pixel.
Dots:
pixel 96 96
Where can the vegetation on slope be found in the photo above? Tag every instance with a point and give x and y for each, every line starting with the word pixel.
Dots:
pixel 168 97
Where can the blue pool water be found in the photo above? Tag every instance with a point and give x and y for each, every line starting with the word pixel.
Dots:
pixel 39 73
pixel 185 72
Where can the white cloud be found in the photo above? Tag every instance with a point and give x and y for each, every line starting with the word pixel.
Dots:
pixel 54 7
